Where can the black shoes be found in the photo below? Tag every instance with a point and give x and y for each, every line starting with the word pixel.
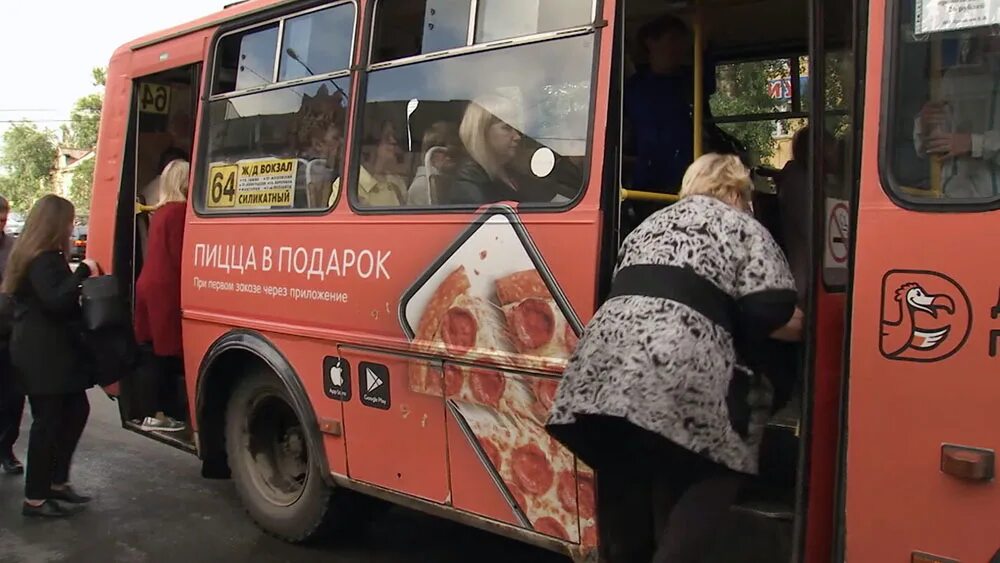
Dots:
pixel 11 466
pixel 67 494
pixel 49 509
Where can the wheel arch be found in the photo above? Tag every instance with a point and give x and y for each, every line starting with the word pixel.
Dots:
pixel 226 360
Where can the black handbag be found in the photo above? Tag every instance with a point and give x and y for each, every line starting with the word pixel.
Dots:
pixel 103 306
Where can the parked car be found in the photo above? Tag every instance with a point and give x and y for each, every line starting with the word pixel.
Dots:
pixel 15 222
pixel 78 243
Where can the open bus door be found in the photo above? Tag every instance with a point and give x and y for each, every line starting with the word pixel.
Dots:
pixel 793 498
pixel 160 126
pixel 925 322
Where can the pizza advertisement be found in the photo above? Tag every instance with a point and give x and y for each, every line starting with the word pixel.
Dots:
pixel 492 310
pixel 548 489
pixel 489 300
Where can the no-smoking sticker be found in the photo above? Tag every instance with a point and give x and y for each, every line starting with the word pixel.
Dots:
pixel 837 232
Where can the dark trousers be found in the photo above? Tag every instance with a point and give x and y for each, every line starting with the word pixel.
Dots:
pixel 156 387
pixel 55 432
pixel 11 411
pixel 656 501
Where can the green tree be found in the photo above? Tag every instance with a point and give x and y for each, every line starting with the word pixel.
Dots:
pixel 28 157
pixel 742 89
pixel 85 122
pixel 81 186
pixel 85 119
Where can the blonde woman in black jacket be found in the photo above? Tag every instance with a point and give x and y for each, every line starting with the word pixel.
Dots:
pixel 48 355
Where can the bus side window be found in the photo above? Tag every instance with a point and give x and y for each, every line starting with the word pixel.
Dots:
pixel 282 148
pixel 408 28
pixel 509 124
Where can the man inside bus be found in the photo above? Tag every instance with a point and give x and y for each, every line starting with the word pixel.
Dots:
pixel 962 127
pixel 658 112
pixel 657 107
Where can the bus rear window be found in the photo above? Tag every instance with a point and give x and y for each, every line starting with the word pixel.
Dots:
pixel 942 119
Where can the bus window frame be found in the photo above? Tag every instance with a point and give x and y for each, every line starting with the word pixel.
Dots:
pixel 893 189
pixel 258 20
pixel 470 43
pixel 595 28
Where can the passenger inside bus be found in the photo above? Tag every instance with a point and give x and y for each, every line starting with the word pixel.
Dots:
pixel 380 183
pixel 657 106
pixel 961 126
pixel 439 149
pixel 491 140
pixel 317 137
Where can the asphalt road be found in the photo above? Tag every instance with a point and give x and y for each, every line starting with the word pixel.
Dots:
pixel 152 505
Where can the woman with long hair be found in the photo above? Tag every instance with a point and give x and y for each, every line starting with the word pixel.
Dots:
pixel 48 354
pixel 492 142
pixel 158 305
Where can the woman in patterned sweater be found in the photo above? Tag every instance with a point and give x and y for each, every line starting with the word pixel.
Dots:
pixel 660 397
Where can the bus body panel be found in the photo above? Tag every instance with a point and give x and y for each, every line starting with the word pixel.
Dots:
pixel 901 411
pixel 824 428
pixel 110 153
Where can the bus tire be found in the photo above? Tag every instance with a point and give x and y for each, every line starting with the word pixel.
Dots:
pixel 276 476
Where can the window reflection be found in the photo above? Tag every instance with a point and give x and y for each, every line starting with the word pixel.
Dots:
pixel 468 128
pixel 405 28
pixel 246 60
pixel 307 49
pixel 502 19
pixel 304 124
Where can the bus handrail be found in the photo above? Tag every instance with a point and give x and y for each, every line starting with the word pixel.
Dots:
pixel 637 195
pixel 142 208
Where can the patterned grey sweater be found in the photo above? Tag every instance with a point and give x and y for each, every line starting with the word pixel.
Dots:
pixel 661 364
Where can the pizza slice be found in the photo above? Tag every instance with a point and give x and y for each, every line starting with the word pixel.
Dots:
pixel 458 324
pixel 535 324
pixel 538 472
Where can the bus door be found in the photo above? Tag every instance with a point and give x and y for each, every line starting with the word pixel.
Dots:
pixel 161 129
pixel 925 318
pixel 762 73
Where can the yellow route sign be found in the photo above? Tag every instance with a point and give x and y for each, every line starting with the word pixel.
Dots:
pixel 154 98
pixel 221 192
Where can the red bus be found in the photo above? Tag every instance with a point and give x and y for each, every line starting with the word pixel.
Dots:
pixel 361 319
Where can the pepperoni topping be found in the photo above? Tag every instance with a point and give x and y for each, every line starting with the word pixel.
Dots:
pixel 567 491
pixel 518 495
pixel 586 500
pixel 589 536
pixel 551 527
pixel 487 386
pixel 453 379
pixel 545 391
pixel 545 395
pixel 532 469
pixel 459 330
pixel 571 339
pixel 532 324
pixel 491 450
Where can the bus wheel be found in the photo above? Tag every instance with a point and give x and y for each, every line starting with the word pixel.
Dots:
pixel 275 475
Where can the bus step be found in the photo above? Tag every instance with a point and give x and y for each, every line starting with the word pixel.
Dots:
pixel 769 502
pixel 770 510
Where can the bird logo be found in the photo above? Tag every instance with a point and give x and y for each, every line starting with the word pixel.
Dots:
pixel 926 316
